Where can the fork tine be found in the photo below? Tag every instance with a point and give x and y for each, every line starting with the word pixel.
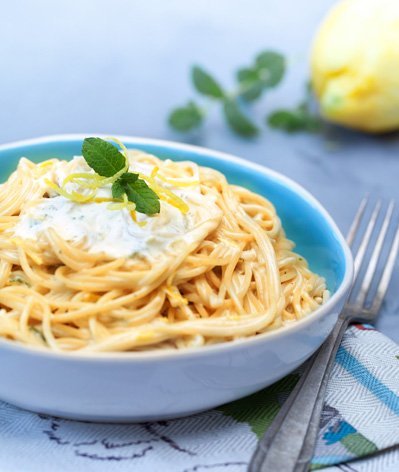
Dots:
pixel 366 238
pixel 368 277
pixel 356 222
pixel 386 275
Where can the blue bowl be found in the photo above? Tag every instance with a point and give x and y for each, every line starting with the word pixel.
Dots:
pixel 154 385
pixel 305 221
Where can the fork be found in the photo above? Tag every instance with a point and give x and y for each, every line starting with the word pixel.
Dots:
pixel 288 444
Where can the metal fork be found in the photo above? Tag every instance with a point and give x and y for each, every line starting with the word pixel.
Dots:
pixel 288 444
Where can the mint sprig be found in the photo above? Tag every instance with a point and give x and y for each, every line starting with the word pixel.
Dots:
pixel 137 191
pixel 107 161
pixel 265 73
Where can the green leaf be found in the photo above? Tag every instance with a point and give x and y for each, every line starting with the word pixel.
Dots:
pixel 206 84
pixel 294 120
pixel 146 200
pixel 138 192
pixel 186 118
pixel 118 189
pixel 237 121
pixel 267 72
pixel 247 75
pixel 103 157
pixel 251 86
pixel 286 120
pixel 271 67
pixel 252 92
pixel 129 178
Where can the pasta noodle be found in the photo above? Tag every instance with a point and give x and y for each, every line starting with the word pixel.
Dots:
pixel 235 279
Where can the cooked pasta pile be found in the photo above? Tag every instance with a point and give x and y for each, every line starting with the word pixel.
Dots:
pixel 238 279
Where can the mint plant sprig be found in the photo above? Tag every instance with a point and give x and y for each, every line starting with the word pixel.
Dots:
pixel 107 161
pixel 252 81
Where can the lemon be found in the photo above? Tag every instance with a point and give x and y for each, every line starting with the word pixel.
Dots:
pixel 355 65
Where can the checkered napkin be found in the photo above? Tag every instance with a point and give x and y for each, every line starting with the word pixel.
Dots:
pixel 359 429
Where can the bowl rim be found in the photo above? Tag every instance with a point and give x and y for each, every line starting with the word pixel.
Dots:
pixel 225 347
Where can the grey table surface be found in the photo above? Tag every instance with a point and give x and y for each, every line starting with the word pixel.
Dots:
pixel 92 66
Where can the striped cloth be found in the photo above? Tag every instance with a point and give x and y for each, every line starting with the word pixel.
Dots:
pixel 359 430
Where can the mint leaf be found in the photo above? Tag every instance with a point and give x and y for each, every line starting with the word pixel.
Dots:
pixel 295 120
pixel 237 121
pixel 128 178
pixel 119 186
pixel 286 120
pixel 267 72
pixel 138 192
pixel 103 157
pixel 270 66
pixel 146 200
pixel 300 118
pixel 205 83
pixel 251 86
pixel 186 118
pixel 118 189
pixel 247 75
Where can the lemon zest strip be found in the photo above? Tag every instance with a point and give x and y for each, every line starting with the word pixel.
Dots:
pixel 133 215
pixel 104 200
pixel 171 181
pixel 154 172
pixel 74 196
pixel 46 163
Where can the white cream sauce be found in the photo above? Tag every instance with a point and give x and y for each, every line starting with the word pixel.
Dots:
pixel 98 229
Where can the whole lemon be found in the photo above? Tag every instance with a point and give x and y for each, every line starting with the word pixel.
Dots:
pixel 355 65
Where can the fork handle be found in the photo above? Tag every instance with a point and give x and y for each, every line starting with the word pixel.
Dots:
pixel 299 417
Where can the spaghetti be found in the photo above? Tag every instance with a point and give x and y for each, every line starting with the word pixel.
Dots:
pixel 227 272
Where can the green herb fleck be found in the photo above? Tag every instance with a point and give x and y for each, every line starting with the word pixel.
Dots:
pixel 18 279
pixel 37 333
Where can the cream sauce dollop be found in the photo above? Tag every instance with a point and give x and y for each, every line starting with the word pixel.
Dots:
pixel 98 229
